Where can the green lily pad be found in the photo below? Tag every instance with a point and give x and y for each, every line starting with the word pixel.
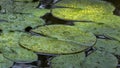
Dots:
pixel 30 8
pixel 87 10
pixel 95 60
pixel 110 46
pixel 19 22
pixel 18 54
pixel 10 39
pixel 67 33
pixel 68 61
pixel 5 63
pixel 100 60
pixel 50 45
pixel 107 30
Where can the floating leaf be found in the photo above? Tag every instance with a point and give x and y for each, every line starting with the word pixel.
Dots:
pixel 30 8
pixel 18 54
pixel 87 10
pixel 95 60
pixel 110 46
pixel 5 63
pixel 107 30
pixel 68 61
pixel 67 33
pixel 19 22
pixel 50 45
pixel 100 60
pixel 10 39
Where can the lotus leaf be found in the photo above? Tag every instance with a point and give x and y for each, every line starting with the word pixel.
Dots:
pixel 5 63
pixel 19 22
pixel 87 10
pixel 95 60
pixel 111 46
pixel 50 45
pixel 19 55
pixel 67 33
pixel 110 31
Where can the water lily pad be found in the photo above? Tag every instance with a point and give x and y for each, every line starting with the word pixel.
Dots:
pixel 50 45
pixel 110 46
pixel 5 63
pixel 18 54
pixel 100 60
pixel 90 10
pixel 67 33
pixel 19 22
pixel 68 61
pixel 107 30
pixel 10 39
pixel 95 60
pixel 30 8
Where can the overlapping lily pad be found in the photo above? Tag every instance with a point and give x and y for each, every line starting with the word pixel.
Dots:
pixel 11 50
pixel 19 22
pixel 5 63
pixel 30 8
pixel 88 10
pixel 19 55
pixel 110 46
pixel 67 33
pixel 107 30
pixel 50 45
pixel 95 60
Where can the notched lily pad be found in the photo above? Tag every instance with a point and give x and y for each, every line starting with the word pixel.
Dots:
pixel 67 33
pixel 5 63
pixel 95 60
pixel 50 45
pixel 18 54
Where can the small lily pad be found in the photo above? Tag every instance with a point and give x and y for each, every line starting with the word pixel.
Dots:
pixel 67 33
pixel 110 46
pixel 18 54
pixel 50 45
pixel 5 63
pixel 95 60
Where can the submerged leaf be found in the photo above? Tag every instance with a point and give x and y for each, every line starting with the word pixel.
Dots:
pixel 67 33
pixel 50 45
pixel 5 63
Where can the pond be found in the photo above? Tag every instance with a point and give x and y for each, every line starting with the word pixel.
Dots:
pixel 59 34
